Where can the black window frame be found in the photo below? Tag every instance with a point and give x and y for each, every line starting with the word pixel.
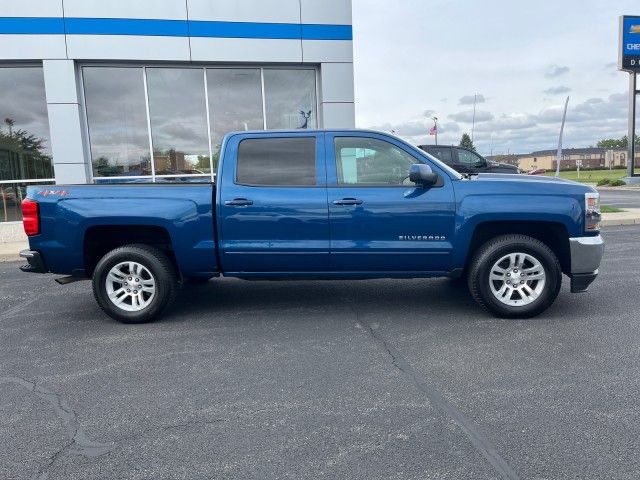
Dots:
pixel 314 138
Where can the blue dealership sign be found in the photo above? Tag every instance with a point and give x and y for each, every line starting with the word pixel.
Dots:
pixel 629 50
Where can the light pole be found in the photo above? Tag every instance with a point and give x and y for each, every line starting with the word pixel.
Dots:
pixel 473 120
pixel 10 122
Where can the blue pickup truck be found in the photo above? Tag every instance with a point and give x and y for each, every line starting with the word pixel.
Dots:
pixel 325 204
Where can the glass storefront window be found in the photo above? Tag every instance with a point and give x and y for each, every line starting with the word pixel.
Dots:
pixel 188 118
pixel 235 103
pixel 290 98
pixel 117 119
pixel 25 151
pixel 11 196
pixel 178 114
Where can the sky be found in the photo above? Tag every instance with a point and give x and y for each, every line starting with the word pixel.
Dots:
pixel 414 59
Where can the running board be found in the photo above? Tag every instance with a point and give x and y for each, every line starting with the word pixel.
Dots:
pixel 69 279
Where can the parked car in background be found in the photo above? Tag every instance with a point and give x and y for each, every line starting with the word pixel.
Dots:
pixel 537 171
pixel 464 160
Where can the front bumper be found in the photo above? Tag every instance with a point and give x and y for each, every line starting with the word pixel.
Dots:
pixel 586 255
pixel 35 262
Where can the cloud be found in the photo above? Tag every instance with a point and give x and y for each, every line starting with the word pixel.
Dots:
pixel 467 116
pixel 468 99
pixel 513 121
pixel 416 132
pixel 557 90
pixel 554 71
pixel 429 113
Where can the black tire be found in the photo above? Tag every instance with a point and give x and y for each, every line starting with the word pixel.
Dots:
pixel 492 251
pixel 159 266
pixel 458 282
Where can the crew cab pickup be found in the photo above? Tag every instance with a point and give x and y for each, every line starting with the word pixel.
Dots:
pixel 325 204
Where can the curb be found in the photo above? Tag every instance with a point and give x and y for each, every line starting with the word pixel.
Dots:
pixel 9 252
pixel 628 188
pixel 621 221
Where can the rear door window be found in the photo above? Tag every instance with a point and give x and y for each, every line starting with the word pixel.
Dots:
pixel 286 161
pixel 470 159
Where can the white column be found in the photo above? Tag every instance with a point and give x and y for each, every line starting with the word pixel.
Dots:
pixel 337 95
pixel 70 162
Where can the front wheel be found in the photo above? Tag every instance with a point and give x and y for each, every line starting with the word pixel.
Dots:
pixel 515 276
pixel 134 283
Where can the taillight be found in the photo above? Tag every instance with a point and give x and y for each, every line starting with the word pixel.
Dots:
pixel 30 217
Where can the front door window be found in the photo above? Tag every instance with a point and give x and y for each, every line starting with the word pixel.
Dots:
pixel 371 162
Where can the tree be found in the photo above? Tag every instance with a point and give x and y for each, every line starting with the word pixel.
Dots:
pixel 466 142
pixel 616 142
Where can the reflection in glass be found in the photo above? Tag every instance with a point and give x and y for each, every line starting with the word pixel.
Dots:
pixel 368 161
pixel 117 121
pixel 235 103
pixel 178 116
pixel 290 98
pixel 277 161
pixel 24 125
pixel 11 196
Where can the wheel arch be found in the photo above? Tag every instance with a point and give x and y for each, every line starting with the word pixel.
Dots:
pixel 552 234
pixel 100 239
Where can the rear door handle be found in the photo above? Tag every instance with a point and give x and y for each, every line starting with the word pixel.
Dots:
pixel 348 201
pixel 238 202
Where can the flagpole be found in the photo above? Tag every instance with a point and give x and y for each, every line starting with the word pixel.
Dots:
pixel 559 152
pixel 435 123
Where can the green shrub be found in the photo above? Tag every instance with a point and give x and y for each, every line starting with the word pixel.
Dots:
pixel 616 183
pixel 603 181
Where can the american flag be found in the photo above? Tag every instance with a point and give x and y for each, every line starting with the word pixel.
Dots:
pixel 433 130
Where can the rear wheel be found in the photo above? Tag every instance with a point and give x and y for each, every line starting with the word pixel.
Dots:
pixel 134 283
pixel 515 276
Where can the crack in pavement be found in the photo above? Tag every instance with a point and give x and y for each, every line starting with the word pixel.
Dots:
pixel 79 443
pixel 481 443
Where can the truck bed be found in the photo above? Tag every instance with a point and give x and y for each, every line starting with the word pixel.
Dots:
pixel 72 216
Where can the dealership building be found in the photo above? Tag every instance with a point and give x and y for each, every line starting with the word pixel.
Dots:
pixel 144 90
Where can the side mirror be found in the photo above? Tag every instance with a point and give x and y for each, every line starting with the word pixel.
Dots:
pixel 422 174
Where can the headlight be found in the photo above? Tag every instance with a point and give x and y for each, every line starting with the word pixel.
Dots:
pixel 592 212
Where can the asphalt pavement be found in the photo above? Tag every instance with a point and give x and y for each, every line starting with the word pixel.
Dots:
pixel 379 379
pixel 629 198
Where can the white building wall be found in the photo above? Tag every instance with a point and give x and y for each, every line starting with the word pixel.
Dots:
pixel 61 53
pixel 70 162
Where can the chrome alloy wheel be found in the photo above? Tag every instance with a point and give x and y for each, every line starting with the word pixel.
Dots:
pixel 517 279
pixel 130 286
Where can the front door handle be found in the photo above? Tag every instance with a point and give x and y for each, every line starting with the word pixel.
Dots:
pixel 238 202
pixel 347 201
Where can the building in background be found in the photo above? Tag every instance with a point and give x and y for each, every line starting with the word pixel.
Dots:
pixel 144 90
pixel 589 158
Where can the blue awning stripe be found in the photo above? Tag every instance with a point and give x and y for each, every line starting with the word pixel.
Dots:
pixel 31 25
pixel 172 28
pixel 126 26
